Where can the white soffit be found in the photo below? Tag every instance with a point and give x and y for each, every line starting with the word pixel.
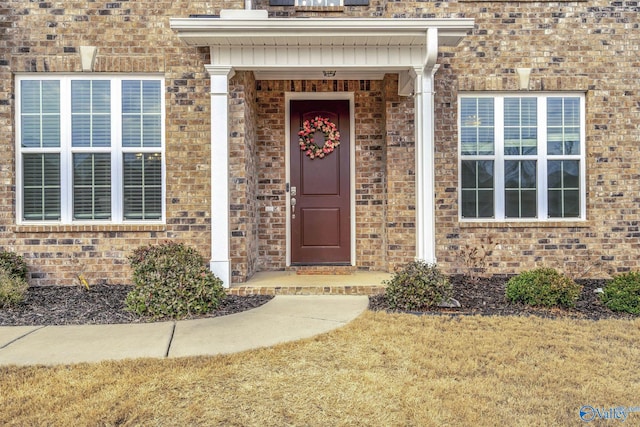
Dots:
pixel 305 47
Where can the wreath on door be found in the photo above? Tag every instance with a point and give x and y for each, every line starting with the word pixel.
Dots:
pixel 308 131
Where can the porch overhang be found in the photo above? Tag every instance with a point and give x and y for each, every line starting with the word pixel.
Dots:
pixel 315 48
pixel 321 49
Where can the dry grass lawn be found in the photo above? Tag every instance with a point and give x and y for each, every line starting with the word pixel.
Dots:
pixel 380 370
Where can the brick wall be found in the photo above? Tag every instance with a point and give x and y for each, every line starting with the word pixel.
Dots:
pixel 399 175
pixel 243 167
pixel 370 149
pixel 271 175
pixel 587 47
pixel 370 171
pixel 131 36
pixel 590 47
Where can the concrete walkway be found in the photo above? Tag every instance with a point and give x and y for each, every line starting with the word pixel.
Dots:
pixel 284 318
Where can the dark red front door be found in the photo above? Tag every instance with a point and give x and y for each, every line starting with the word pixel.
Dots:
pixel 320 220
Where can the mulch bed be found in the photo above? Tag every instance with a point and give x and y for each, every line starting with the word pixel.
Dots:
pixel 101 304
pixel 485 296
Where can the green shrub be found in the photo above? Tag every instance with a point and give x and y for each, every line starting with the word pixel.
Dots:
pixel 12 289
pixel 623 293
pixel 417 286
pixel 13 264
pixel 543 287
pixel 172 280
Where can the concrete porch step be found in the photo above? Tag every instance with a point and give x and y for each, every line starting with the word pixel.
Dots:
pixel 292 283
pixel 241 290
pixel 323 270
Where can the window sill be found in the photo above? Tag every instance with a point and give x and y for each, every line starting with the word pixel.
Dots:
pixel 525 224
pixel 337 9
pixel 89 228
pixel 512 1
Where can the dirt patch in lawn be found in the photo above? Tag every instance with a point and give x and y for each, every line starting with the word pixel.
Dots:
pixel 485 296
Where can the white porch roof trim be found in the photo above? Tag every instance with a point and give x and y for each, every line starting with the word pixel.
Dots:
pixel 301 48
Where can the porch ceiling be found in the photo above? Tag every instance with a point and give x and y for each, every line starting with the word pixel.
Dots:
pixel 304 48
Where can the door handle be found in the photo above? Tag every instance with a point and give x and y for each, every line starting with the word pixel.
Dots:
pixel 293 208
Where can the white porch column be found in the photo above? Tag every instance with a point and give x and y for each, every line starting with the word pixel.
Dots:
pixel 220 263
pixel 425 176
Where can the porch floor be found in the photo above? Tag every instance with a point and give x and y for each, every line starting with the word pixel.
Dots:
pixel 290 283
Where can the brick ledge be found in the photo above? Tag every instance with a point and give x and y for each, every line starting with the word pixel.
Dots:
pixel 323 270
pixel 525 224
pixel 88 228
pixel 306 290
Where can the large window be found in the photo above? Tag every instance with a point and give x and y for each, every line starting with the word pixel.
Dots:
pixel 90 149
pixel 522 157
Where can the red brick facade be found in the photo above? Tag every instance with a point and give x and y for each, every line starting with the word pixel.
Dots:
pixel 588 47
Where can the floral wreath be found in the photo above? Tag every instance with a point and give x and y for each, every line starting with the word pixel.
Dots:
pixel 308 130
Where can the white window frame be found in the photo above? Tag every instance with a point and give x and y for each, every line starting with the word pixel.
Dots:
pixel 66 150
pixel 541 157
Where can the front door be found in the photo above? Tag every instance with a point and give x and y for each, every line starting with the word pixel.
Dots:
pixel 320 186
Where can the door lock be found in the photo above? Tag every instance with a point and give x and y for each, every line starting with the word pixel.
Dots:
pixel 293 191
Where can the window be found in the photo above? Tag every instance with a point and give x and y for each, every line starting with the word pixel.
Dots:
pixel 90 149
pixel 522 157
